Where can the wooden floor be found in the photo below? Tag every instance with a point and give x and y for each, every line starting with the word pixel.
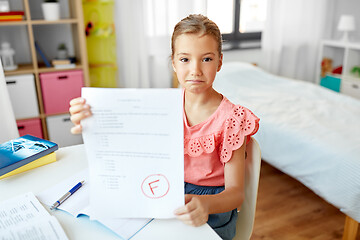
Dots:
pixel 288 210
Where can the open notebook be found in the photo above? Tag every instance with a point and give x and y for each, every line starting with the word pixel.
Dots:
pixel 78 204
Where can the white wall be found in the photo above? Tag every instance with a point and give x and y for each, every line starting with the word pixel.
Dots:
pixel 341 7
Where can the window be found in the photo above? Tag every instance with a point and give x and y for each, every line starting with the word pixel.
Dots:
pixel 240 21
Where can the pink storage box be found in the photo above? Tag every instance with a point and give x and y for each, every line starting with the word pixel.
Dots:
pixel 58 88
pixel 30 126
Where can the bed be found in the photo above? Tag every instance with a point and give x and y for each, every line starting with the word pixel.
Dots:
pixel 306 131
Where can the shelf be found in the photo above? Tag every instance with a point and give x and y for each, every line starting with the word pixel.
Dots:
pixel 55 114
pixel 351 78
pixel 39 22
pixel 14 23
pixel 28 69
pixel 52 69
pixel 346 55
pixel 43 115
pixel 61 21
pixel 339 44
pixel 334 43
pixel 22 69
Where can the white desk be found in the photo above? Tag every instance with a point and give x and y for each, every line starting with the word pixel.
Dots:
pixel 69 161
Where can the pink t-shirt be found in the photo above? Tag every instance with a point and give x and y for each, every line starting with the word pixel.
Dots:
pixel 209 145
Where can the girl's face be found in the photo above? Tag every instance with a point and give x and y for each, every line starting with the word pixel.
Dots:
pixel 196 61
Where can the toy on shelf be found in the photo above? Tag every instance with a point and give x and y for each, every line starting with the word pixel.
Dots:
pixel 326 66
pixel 337 70
pixel 356 71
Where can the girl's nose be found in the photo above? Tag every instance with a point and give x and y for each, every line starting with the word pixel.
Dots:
pixel 196 69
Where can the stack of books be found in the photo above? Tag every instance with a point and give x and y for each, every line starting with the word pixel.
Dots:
pixel 11 16
pixel 25 153
pixel 62 63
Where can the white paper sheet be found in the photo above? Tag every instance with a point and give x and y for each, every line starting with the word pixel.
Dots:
pixel 134 145
pixel 78 204
pixel 23 217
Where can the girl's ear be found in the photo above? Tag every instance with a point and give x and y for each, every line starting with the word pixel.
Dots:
pixel 220 63
pixel 173 65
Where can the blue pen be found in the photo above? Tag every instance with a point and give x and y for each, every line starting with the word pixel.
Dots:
pixel 67 195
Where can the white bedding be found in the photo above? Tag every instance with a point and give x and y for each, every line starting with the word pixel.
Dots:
pixel 307 131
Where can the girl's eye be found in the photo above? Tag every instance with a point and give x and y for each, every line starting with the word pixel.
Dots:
pixel 207 59
pixel 184 60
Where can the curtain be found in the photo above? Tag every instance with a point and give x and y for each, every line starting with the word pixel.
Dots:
pixel 8 127
pixel 143 30
pixel 292 35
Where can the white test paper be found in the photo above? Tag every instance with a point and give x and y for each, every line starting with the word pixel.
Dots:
pixel 134 145
pixel 23 217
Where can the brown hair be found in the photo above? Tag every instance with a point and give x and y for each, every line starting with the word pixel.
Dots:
pixel 196 23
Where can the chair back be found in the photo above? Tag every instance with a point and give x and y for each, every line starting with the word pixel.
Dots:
pixel 8 127
pixel 246 216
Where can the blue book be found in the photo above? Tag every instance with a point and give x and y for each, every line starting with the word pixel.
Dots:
pixel 42 55
pixel 23 150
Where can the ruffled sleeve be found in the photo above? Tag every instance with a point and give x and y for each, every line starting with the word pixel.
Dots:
pixel 195 147
pixel 242 123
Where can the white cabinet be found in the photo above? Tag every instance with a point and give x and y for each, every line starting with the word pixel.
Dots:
pixel 347 55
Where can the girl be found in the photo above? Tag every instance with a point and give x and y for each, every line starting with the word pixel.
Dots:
pixel 214 129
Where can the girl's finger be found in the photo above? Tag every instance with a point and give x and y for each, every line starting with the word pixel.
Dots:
pixel 77 129
pixel 76 101
pixel 181 211
pixel 188 208
pixel 76 118
pixel 189 220
pixel 78 108
pixel 75 109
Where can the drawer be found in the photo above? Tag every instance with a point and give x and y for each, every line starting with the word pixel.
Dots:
pixel 59 130
pixel 58 88
pixel 331 82
pixel 351 88
pixel 22 94
pixel 30 126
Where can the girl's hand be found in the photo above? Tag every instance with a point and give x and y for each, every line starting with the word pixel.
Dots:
pixel 195 212
pixel 78 111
